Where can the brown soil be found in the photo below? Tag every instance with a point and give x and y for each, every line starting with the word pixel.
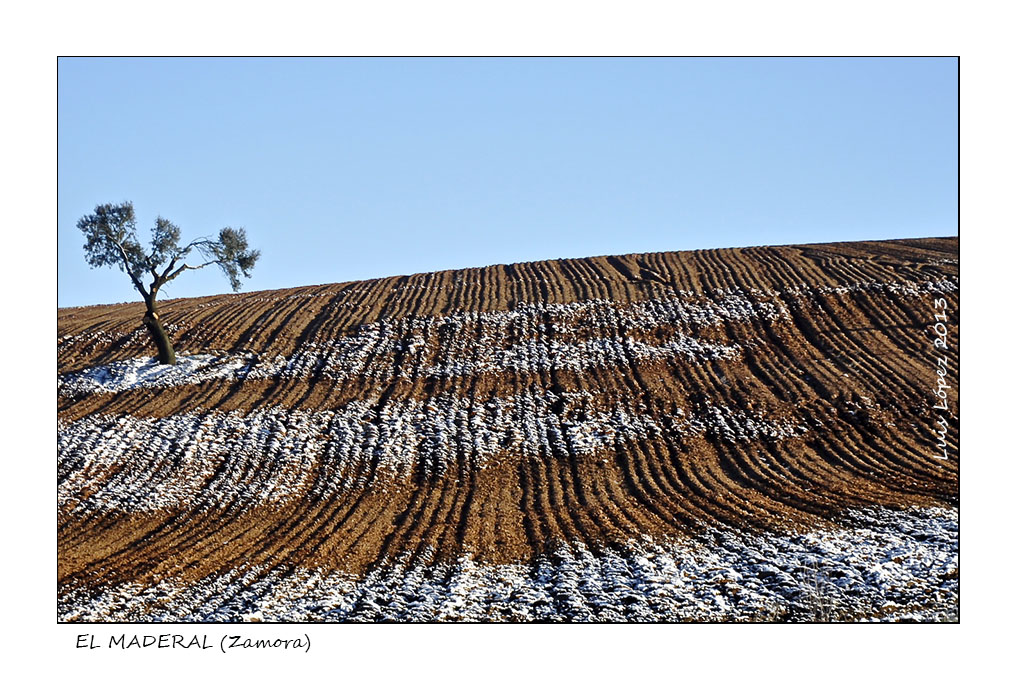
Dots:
pixel 857 366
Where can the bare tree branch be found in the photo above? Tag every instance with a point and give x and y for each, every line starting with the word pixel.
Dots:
pixel 127 267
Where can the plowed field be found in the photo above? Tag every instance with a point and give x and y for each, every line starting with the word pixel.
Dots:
pixel 735 434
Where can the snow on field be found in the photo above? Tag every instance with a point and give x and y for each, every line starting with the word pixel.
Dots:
pixel 147 372
pixel 909 288
pixel 215 459
pixel 518 339
pixel 541 354
pixel 870 564
pixel 879 564
pixel 532 337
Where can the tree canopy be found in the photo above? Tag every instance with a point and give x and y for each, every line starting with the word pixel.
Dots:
pixel 111 240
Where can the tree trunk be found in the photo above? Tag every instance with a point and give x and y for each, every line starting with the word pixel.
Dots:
pixel 160 337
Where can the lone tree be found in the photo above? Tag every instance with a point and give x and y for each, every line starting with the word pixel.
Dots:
pixel 111 240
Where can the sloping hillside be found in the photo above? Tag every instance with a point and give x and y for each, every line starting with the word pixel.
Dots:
pixel 727 434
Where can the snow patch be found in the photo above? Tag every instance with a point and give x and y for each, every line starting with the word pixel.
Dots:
pixel 880 564
pixel 147 372
pixel 217 459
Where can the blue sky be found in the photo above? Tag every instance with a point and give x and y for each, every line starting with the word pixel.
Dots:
pixel 344 169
